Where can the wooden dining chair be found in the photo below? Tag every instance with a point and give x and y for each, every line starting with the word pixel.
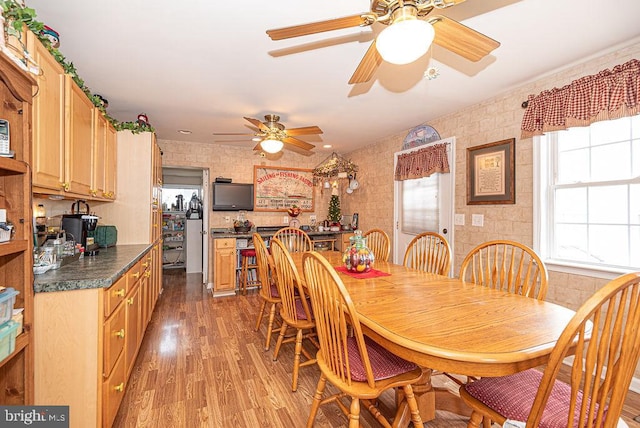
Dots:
pixel 356 365
pixel 269 291
pixel 378 241
pixel 295 309
pixel 604 336
pixel 506 265
pixel 428 252
pixel 295 240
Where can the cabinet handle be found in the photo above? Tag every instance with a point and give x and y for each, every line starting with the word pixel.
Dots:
pixel 120 333
pixel 130 301
pixel 119 292
pixel 145 264
pixel 147 274
pixel 66 187
pixel 136 275
pixel 119 388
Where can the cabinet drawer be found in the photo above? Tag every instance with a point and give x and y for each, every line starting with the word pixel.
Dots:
pixel 114 338
pixel 225 243
pixel 114 295
pixel 134 274
pixel 113 391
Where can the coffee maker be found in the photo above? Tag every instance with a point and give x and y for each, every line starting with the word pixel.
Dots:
pixel 77 225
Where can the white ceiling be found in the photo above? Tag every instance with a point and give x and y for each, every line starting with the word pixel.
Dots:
pixel 202 65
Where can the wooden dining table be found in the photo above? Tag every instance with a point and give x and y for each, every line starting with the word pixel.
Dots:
pixel 449 325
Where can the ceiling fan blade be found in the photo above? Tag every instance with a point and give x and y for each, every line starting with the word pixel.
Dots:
pixel 298 143
pixel 257 147
pixel 306 130
pixel 230 133
pixel 322 26
pixel 460 39
pixel 258 124
pixel 367 66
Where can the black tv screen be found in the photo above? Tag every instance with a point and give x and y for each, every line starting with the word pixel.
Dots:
pixel 232 197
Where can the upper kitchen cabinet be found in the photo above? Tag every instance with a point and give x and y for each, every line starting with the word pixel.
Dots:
pixel 72 140
pixel 104 158
pixel 48 121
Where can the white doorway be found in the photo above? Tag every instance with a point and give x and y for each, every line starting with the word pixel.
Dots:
pixel 424 204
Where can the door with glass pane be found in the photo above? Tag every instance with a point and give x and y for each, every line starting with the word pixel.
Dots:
pixel 424 204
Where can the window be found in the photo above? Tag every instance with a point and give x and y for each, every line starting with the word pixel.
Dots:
pixel 589 196
pixel 420 208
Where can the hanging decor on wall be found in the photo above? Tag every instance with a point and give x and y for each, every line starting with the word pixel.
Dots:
pixel 421 134
pixel 491 172
pixel 332 168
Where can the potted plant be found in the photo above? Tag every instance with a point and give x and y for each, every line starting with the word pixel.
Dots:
pixel 294 211
pixel 242 226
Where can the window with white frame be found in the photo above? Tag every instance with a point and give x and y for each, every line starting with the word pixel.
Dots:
pixel 588 202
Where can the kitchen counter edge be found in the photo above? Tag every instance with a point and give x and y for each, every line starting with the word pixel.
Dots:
pixel 98 271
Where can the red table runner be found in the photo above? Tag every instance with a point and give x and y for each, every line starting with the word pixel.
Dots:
pixel 373 273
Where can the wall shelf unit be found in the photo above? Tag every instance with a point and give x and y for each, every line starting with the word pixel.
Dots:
pixel 174 239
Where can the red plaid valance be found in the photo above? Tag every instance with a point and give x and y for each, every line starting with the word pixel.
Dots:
pixel 422 162
pixel 610 94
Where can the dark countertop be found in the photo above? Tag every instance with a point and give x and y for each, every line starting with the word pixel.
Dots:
pixel 98 271
pixel 216 234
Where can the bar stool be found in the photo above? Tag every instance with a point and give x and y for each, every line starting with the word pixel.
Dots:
pixel 248 263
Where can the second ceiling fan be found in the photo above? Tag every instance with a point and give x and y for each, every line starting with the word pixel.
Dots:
pixel 409 33
pixel 273 136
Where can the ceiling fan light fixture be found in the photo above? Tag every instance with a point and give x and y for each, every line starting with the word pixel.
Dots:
pixel 405 40
pixel 271 145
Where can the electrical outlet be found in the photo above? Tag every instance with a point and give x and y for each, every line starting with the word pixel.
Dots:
pixel 227 219
pixel 312 217
pixel 458 219
pixel 285 220
pixel 477 220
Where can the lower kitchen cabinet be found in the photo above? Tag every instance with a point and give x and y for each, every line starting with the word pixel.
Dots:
pixel 224 266
pixel 89 346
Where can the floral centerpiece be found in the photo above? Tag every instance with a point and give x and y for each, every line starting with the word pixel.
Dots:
pixel 242 225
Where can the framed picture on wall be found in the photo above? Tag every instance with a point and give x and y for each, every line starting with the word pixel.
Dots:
pixel 491 172
pixel 279 188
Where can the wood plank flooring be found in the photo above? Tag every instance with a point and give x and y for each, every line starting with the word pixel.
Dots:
pixel 202 365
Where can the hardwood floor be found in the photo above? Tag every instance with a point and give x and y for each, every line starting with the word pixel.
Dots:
pixel 201 364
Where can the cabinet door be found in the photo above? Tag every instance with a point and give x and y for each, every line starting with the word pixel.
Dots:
pixel 133 338
pixel 111 162
pixel 48 120
pixel 225 265
pixel 98 164
pixel 78 139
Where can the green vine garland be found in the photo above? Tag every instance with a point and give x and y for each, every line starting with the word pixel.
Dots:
pixel 17 17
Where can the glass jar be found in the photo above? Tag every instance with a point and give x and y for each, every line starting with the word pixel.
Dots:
pixel 357 257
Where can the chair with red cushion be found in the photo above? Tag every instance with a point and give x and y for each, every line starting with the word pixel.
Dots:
pixel 604 336
pixel 356 365
pixel 295 309
pixel 269 291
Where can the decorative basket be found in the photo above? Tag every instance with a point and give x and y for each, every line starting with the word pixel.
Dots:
pixel 242 229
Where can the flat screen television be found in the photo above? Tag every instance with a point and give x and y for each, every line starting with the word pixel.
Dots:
pixel 232 196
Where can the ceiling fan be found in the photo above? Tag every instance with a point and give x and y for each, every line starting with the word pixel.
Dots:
pixel 409 33
pixel 273 136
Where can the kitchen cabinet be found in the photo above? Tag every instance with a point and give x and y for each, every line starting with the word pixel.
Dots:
pixel 16 262
pixel 136 212
pixel 104 162
pixel 88 367
pixel 224 269
pixel 73 144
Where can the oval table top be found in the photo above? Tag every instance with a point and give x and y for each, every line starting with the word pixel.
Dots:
pixel 449 325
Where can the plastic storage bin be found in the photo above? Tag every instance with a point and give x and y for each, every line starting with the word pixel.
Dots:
pixel 7 300
pixel 8 333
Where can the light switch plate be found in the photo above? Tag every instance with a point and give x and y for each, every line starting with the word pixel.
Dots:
pixel 477 220
pixel 312 217
pixel 458 219
pixel 285 220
